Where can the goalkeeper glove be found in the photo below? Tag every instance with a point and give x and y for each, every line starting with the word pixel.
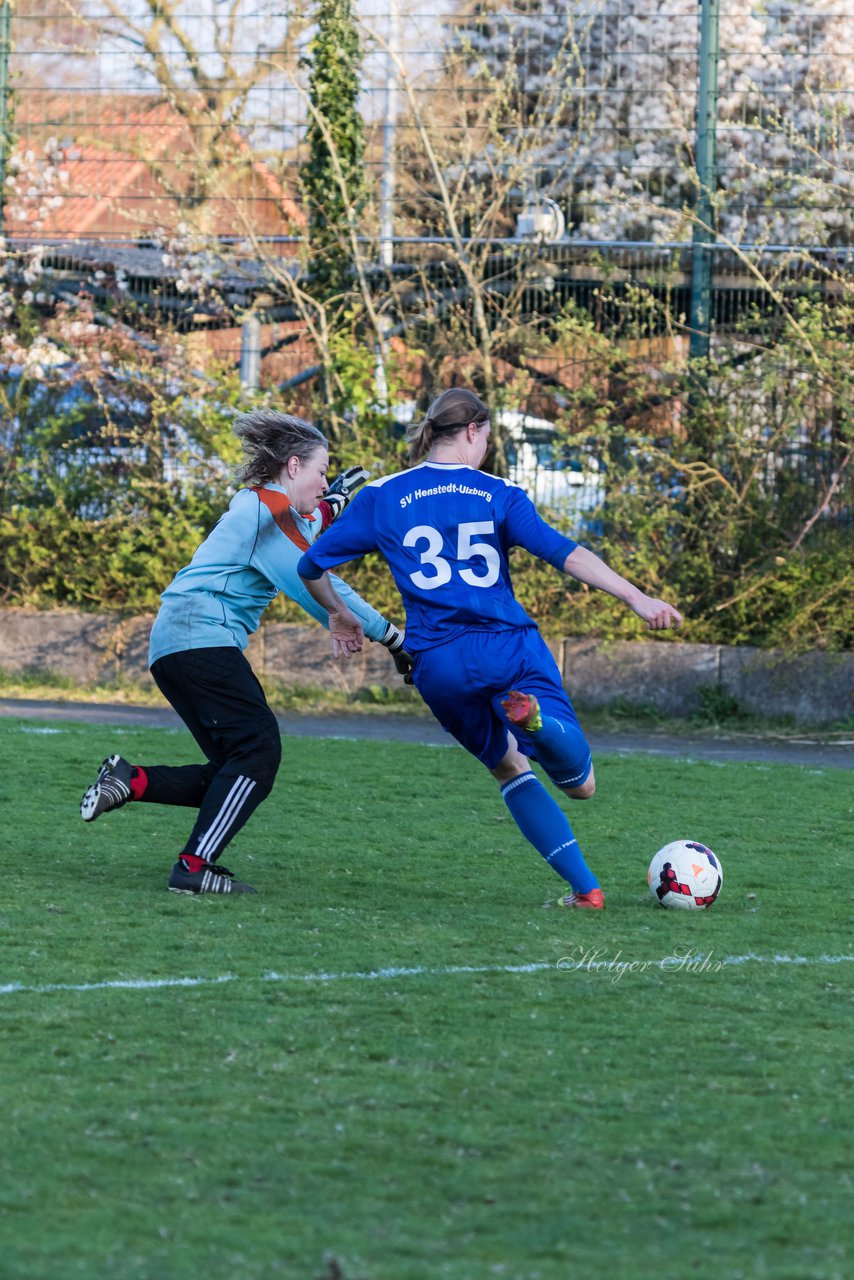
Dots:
pixel 343 487
pixel 393 641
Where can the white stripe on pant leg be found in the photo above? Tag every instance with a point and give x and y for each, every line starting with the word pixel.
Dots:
pixel 225 819
pixel 217 832
pixel 220 819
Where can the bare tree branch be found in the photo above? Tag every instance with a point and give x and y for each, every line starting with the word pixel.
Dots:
pixel 831 490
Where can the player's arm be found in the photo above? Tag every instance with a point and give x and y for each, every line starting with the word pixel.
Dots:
pixel 350 536
pixel 525 527
pixel 276 556
pixel 344 627
pixel 375 626
pixel 589 568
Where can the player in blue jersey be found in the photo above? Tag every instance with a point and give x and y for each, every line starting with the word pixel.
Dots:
pixel 479 662
pixel 207 615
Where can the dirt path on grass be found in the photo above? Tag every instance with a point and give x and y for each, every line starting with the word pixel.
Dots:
pixel 816 752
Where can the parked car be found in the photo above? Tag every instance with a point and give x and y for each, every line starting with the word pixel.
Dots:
pixel 561 478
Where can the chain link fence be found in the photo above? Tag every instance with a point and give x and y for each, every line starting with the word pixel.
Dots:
pixel 130 119
pixel 152 158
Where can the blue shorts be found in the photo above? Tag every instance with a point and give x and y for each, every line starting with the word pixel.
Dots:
pixel 463 683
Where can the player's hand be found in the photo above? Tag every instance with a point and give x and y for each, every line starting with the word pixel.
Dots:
pixel 657 614
pixel 403 662
pixel 346 632
pixel 393 641
pixel 343 487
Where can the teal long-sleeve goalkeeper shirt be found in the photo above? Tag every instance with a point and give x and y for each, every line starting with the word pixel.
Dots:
pixel 248 557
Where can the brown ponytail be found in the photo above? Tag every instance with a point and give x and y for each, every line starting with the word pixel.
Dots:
pixel 449 413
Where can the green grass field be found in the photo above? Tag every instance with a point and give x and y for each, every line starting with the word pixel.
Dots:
pixel 394 1063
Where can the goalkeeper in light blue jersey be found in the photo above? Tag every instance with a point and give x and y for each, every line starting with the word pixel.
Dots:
pixel 446 529
pixel 207 615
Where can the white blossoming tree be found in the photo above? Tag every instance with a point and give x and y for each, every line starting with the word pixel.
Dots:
pixel 621 157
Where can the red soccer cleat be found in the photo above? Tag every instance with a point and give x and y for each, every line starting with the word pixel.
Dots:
pixel 523 711
pixel 593 901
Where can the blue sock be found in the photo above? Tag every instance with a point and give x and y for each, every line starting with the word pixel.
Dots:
pixel 545 825
pixel 562 751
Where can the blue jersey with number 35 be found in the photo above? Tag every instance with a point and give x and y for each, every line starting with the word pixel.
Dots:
pixel 446 531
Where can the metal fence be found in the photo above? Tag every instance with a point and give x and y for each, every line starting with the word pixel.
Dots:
pixel 124 121
pixel 564 135
pixel 153 158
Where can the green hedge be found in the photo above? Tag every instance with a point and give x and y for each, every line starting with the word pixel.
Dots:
pixel 727 488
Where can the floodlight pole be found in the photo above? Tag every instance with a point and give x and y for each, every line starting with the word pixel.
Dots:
pixel 387 179
pixel 5 52
pixel 387 186
pixel 250 352
pixel 706 166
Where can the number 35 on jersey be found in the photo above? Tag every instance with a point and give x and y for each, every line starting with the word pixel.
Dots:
pixel 436 570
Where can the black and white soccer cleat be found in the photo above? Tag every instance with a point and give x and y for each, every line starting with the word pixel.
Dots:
pixel 210 878
pixel 110 790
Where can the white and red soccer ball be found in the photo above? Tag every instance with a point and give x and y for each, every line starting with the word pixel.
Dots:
pixel 685 874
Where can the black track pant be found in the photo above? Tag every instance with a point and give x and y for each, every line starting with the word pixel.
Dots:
pixel 217 695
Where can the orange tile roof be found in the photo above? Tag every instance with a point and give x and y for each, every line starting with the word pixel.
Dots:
pixel 115 190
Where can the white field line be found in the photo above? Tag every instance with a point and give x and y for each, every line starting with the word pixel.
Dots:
pixel 588 963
